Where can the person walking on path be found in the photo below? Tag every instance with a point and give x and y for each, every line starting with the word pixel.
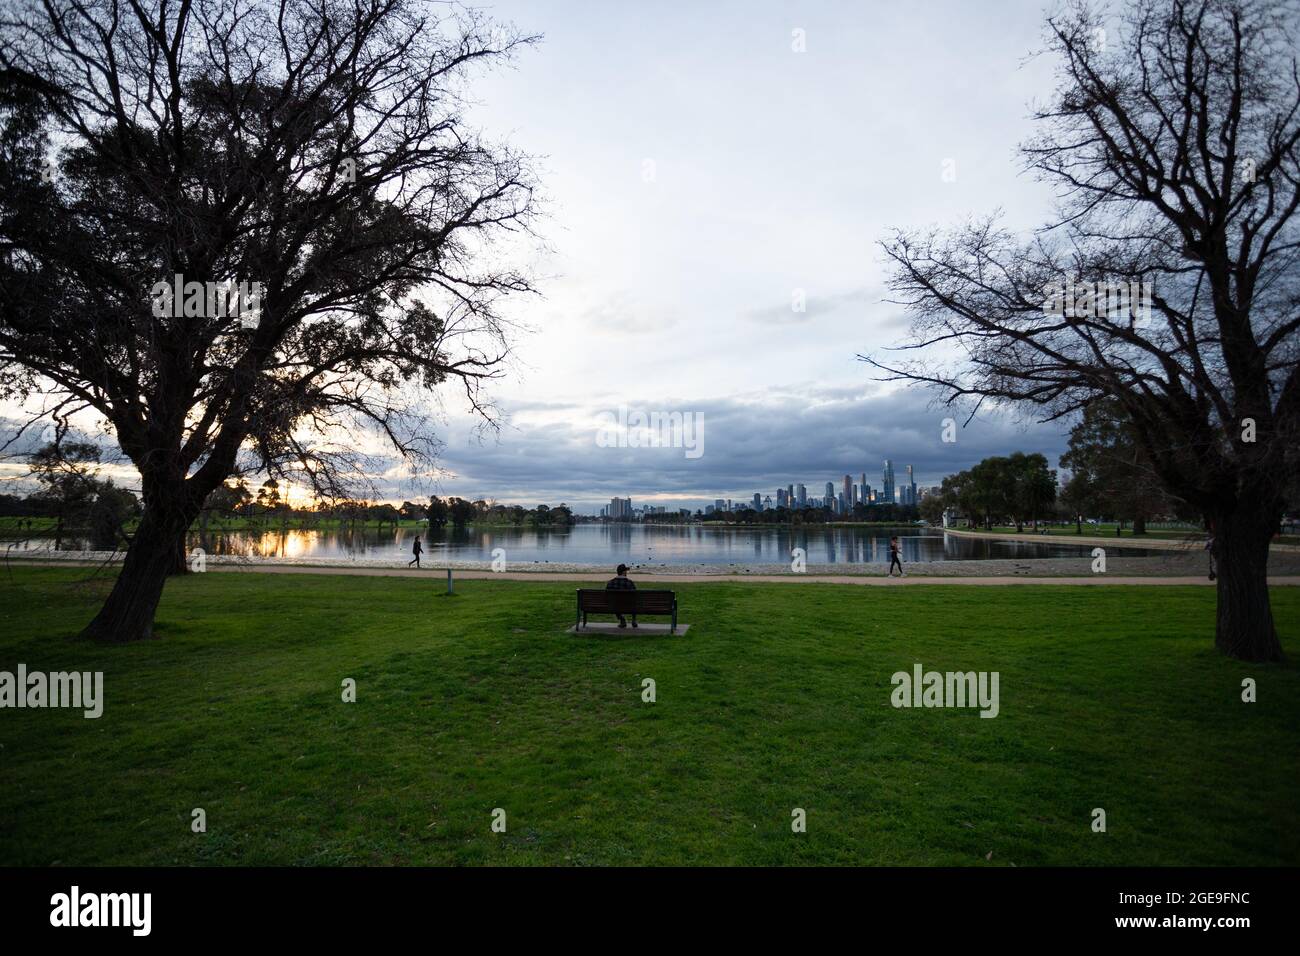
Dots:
pixel 416 549
pixel 893 557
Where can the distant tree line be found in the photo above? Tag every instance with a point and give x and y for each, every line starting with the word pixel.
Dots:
pixel 72 493
pixel 458 512
pixel 1016 489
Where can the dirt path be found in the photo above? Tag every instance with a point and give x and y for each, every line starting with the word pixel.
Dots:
pixel 439 576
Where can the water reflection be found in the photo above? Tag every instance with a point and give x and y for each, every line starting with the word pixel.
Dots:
pixel 646 545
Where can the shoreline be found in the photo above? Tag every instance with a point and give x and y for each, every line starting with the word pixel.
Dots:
pixel 1188 544
pixel 1184 566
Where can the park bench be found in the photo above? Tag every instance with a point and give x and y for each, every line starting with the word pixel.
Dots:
pixel 625 602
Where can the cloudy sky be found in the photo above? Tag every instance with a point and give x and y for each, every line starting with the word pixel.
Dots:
pixel 702 174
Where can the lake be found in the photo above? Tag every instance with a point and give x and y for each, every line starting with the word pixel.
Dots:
pixel 632 544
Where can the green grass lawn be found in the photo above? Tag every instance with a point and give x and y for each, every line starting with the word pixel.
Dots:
pixel 1100 531
pixel 16 526
pixel 777 698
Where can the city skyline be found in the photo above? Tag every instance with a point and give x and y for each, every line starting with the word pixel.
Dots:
pixel 852 494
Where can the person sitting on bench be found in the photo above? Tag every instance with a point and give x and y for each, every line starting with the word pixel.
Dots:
pixel 621 583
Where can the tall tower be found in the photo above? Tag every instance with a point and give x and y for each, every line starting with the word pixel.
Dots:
pixel 888 482
pixel 802 496
pixel 911 486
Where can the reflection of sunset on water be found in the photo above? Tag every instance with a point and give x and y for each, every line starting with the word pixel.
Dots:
pixel 635 544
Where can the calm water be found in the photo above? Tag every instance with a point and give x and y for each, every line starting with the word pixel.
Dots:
pixel 631 544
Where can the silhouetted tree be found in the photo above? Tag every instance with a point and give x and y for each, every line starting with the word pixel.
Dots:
pixel 313 149
pixel 1174 146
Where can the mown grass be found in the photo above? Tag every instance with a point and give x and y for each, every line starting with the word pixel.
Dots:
pixel 777 698
pixel 1104 530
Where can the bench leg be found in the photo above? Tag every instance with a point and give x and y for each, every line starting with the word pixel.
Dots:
pixel 673 630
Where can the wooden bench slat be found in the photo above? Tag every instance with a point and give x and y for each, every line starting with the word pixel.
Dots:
pixel 602 601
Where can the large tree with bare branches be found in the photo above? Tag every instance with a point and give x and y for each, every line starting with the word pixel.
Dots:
pixel 1173 138
pixel 317 148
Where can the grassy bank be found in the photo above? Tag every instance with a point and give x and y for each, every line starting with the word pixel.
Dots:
pixel 1099 531
pixel 1110 697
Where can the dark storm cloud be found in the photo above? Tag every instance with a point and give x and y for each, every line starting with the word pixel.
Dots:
pixel 751 443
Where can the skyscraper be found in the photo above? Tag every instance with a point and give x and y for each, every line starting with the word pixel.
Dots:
pixel 789 495
pixel 848 491
pixel 802 496
pixel 830 493
pixel 888 482
pixel 780 498
pixel 758 501
pixel 911 487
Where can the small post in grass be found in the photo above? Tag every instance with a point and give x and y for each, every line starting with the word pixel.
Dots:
pixel 449 588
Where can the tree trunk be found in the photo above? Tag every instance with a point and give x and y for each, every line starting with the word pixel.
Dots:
pixel 1244 626
pixel 128 613
pixel 181 558
pixel 1078 524
pixel 1139 525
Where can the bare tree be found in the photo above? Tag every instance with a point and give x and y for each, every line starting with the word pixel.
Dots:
pixel 1172 140
pixel 313 150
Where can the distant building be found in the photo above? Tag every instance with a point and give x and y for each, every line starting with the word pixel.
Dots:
pixel 801 496
pixel 887 489
pixel 758 501
pixel 830 493
pixel 620 509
